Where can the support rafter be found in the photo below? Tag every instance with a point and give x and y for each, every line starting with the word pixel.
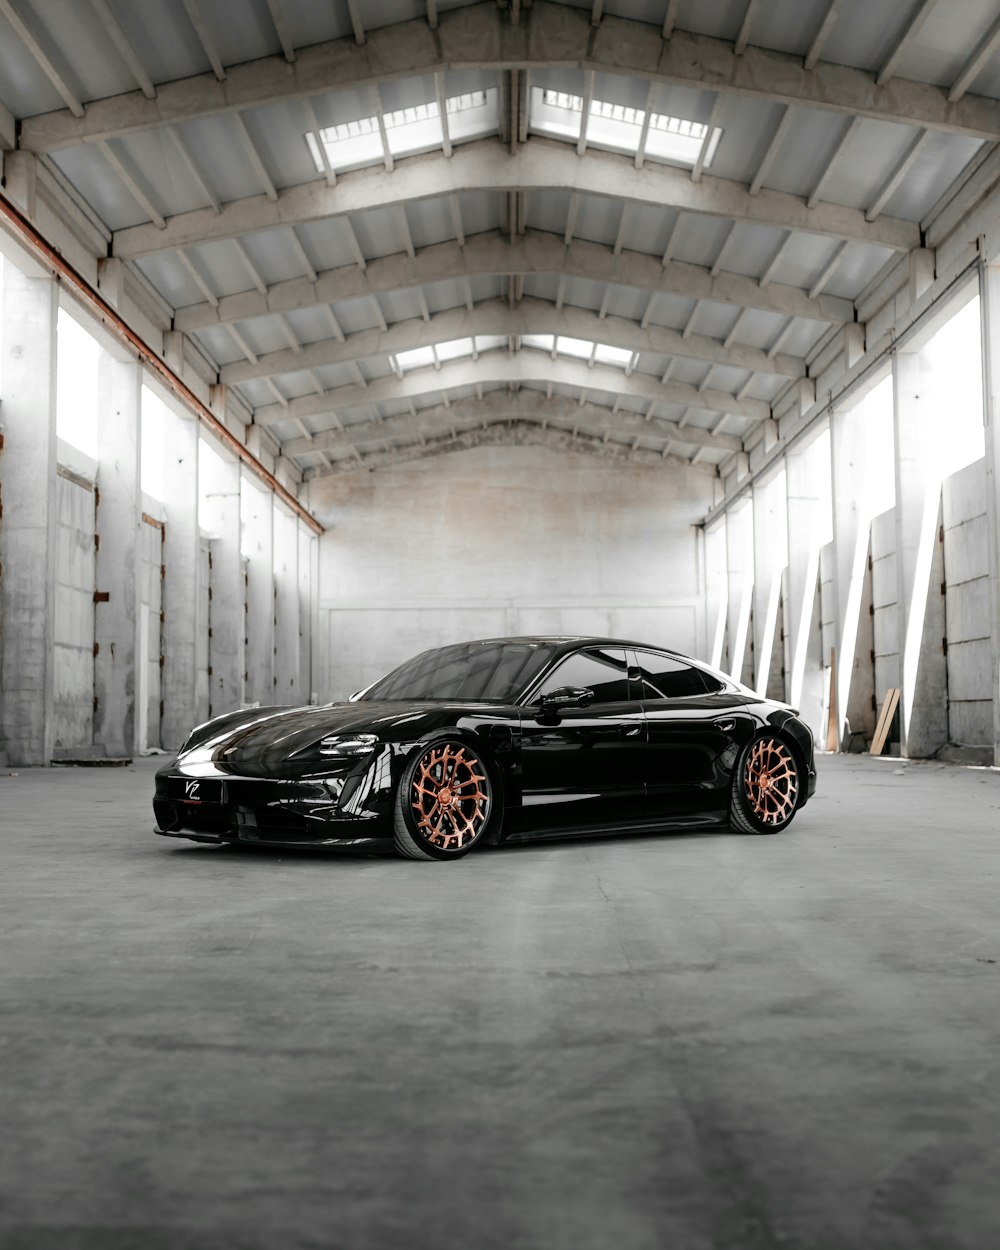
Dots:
pixel 484 40
pixel 536 166
pixel 531 253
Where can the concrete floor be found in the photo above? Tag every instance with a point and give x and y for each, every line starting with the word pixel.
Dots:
pixel 656 1043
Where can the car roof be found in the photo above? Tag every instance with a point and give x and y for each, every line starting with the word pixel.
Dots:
pixel 569 642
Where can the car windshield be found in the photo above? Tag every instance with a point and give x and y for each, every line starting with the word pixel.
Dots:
pixel 494 672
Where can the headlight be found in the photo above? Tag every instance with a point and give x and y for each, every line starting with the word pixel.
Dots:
pixel 347 744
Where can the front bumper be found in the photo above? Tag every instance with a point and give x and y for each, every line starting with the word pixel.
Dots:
pixel 350 808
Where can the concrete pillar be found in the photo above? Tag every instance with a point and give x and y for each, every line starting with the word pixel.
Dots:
pixel 769 520
pixel 119 515
pixel 180 584
pixel 854 342
pixel 990 290
pixel 258 543
pixel 111 279
pixel 220 488
pixel 739 562
pixel 804 499
pixel 286 608
pixel 917 425
pixel 850 467
pixel 716 593
pixel 308 604
pixel 28 519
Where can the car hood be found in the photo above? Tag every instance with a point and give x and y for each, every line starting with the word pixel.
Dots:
pixel 265 740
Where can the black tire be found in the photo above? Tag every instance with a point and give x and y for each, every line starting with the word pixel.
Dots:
pixel 767 786
pixel 446 801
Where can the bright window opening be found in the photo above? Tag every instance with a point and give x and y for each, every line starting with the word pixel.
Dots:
pixel 455 349
pixel 579 349
pixel 956 359
pixel 78 357
pixel 440 353
pixel 155 422
pixel 416 358
pixel 605 355
pixel 618 127
pixel 542 342
pixel 350 145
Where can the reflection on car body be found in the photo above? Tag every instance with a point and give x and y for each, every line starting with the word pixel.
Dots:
pixel 497 741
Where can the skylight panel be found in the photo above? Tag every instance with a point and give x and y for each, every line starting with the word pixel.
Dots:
pixel 543 342
pixel 417 128
pixel 674 139
pixel 607 355
pixel 619 127
pixel 415 358
pixel 455 349
pixel 580 348
pixel 439 353
pixel 490 342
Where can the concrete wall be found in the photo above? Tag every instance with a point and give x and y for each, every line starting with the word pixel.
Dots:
pixel 885 616
pixel 505 540
pixel 73 625
pixel 150 634
pixel 968 607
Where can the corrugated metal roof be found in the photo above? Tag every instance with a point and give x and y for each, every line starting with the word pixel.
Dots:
pixel 727 260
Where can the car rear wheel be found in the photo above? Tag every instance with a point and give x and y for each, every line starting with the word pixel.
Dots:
pixel 766 786
pixel 445 802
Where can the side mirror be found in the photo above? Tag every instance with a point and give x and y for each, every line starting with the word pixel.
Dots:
pixel 565 696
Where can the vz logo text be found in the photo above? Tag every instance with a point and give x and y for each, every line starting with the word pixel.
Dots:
pixel 191 789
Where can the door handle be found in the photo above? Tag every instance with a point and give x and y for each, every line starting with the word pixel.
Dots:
pixel 725 724
pixel 631 731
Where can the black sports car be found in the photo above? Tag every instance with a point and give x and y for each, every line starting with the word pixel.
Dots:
pixel 497 741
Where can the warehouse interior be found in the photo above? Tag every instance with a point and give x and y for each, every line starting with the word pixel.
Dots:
pixel 330 332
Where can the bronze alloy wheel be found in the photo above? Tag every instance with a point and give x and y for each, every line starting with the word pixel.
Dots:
pixel 449 796
pixel 771 782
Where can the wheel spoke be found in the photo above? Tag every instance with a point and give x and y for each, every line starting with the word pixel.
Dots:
pixel 449 796
pixel 771 781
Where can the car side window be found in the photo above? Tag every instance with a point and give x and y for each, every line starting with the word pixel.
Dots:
pixel 664 677
pixel 601 669
pixel 712 684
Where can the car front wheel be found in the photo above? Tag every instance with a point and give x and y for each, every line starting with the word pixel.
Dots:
pixel 445 802
pixel 766 786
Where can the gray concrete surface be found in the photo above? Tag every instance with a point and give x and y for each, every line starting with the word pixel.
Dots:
pixel 655 1043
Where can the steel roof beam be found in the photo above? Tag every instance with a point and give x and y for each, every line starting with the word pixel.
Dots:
pixel 777 139
pixel 354 8
pixel 902 168
pixel 543 166
pixel 513 368
pixel 133 182
pixel 907 35
pixel 43 61
pixel 558 37
pixel 8 129
pixel 188 158
pixel 495 318
pixel 974 65
pixel 507 434
pixel 500 406
pixel 531 253
pixel 743 38
pixel 197 20
pixel 280 24
pixel 118 37
pixel 822 35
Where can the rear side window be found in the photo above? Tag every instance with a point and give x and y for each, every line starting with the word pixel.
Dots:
pixel 664 677
pixel 601 669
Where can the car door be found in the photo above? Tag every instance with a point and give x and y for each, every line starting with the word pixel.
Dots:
pixel 693 735
pixel 582 767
